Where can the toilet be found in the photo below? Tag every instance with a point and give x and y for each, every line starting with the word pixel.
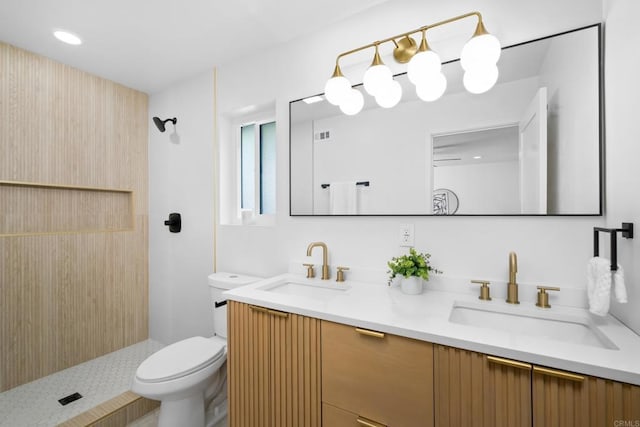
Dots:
pixel 189 377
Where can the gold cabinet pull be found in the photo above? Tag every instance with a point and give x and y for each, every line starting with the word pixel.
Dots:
pixel 369 333
pixel 368 423
pixel 558 374
pixel 258 309
pixel 278 313
pixel 508 362
pixel 268 311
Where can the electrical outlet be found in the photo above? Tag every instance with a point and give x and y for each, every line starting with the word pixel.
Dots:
pixel 406 235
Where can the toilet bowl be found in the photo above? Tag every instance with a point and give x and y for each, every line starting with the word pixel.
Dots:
pixel 188 375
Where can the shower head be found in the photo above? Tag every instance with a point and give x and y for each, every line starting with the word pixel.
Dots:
pixel 160 123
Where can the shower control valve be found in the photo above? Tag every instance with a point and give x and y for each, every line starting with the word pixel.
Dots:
pixel 174 222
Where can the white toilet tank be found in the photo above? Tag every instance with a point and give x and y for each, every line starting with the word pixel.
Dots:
pixel 218 283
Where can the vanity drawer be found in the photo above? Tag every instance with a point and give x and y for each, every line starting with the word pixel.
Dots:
pixel 381 377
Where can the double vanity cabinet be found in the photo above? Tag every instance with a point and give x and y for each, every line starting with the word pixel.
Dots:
pixel 292 370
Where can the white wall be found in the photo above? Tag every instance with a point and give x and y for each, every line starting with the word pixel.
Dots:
pixel 181 179
pixel 551 250
pixel 622 67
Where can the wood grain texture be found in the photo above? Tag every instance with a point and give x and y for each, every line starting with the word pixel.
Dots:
pixel 68 298
pixel 116 412
pixel 274 369
pixel 33 208
pixel 388 380
pixel 593 402
pixel 295 371
pixel 471 391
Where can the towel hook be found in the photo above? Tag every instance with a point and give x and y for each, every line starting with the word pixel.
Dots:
pixel 627 233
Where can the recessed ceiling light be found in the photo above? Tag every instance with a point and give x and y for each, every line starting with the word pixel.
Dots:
pixel 67 37
pixel 477 157
pixel 313 99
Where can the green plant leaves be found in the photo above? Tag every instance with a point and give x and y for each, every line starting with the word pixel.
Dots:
pixel 413 264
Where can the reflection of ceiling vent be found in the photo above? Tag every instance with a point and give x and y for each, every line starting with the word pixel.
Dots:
pixel 322 136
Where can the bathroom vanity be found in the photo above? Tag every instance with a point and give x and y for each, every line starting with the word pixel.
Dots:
pixel 312 352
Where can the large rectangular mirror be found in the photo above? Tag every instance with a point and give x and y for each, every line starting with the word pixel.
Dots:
pixel 532 145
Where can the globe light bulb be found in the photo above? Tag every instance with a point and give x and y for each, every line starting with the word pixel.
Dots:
pixel 422 66
pixel 480 79
pixel 480 51
pixel 336 89
pixel 352 103
pixel 390 95
pixel 433 88
pixel 376 78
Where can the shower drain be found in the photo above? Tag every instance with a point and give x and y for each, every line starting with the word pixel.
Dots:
pixel 71 398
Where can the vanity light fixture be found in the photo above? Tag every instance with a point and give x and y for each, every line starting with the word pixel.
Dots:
pixel 424 69
pixel 67 37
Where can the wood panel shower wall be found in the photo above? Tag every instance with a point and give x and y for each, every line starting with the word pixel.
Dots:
pixel 73 284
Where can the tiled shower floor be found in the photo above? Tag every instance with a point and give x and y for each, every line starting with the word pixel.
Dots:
pixel 35 404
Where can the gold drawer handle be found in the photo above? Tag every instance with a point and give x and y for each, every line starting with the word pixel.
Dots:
pixel 558 374
pixel 368 423
pixel 258 309
pixel 268 311
pixel 278 313
pixel 369 333
pixel 508 362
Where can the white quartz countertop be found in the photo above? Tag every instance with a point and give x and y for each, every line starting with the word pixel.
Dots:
pixel 425 317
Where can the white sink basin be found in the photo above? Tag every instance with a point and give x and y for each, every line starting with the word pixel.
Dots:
pixel 308 288
pixel 576 329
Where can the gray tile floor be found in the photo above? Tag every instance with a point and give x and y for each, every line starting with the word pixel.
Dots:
pixel 35 404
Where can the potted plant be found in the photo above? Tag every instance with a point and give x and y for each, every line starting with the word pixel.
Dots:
pixel 413 270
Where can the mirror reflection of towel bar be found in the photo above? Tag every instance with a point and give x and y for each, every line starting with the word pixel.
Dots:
pixel 627 233
pixel 363 183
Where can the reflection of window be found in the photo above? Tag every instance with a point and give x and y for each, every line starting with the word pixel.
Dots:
pixel 258 167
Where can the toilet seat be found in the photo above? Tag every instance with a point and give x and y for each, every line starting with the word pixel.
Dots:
pixel 181 358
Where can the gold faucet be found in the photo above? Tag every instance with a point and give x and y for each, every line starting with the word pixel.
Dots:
pixel 325 265
pixel 512 286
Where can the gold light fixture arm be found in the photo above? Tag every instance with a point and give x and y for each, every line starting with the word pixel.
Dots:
pixel 424 46
pixel 480 29
pixel 337 72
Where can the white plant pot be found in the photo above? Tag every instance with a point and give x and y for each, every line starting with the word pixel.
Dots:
pixel 411 285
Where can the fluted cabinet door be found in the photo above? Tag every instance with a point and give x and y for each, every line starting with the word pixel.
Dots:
pixel 473 390
pixel 248 366
pixel 274 368
pixel 295 374
pixel 565 399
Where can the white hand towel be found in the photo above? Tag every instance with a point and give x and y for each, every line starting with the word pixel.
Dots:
pixel 619 287
pixel 343 198
pixel 599 285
